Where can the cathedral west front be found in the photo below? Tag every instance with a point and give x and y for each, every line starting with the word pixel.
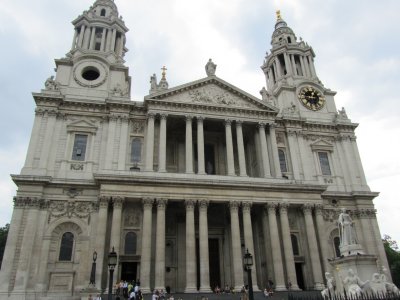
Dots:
pixel 182 183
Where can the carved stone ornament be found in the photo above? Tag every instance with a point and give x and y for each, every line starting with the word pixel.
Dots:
pixel 34 202
pixel 234 206
pixel 119 91
pixel 162 203
pixel 132 218
pixel 246 206
pixel 190 203
pixel 138 127
pixel 148 203
pixel 76 166
pixel 271 207
pixel 203 204
pixel 73 192
pixel 69 209
pixel 51 84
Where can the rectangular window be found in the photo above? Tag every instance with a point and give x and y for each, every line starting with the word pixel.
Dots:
pixel 282 160
pixel 324 163
pixel 136 150
pixel 79 150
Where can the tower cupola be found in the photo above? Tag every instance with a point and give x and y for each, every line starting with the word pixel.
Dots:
pixel 282 33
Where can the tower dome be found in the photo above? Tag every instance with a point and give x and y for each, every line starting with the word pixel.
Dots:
pixel 282 33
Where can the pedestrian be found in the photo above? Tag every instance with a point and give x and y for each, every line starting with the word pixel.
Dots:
pixel 98 297
pixel 90 297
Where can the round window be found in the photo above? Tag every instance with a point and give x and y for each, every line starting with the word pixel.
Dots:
pixel 90 73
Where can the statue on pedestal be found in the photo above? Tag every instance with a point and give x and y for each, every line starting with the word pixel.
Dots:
pixel 329 292
pixel 346 229
pixel 353 285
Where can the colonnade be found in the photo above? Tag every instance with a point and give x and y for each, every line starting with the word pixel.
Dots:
pixel 265 139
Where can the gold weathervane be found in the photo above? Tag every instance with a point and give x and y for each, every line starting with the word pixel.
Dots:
pixel 163 72
pixel 278 15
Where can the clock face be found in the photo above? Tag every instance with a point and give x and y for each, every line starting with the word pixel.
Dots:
pixel 311 98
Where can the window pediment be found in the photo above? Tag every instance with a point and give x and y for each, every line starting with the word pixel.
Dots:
pixel 82 126
pixel 322 145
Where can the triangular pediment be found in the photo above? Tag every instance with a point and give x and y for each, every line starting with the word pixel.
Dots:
pixel 212 91
pixel 322 144
pixel 82 125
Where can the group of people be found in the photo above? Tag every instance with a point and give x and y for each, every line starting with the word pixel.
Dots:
pixel 226 290
pixel 162 295
pixel 128 290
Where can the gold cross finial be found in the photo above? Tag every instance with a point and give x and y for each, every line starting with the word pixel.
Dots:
pixel 278 15
pixel 163 72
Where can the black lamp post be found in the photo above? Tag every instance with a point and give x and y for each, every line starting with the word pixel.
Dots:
pixel 248 262
pixel 112 262
pixel 93 273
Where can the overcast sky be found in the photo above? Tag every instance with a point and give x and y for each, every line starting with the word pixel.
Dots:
pixel 357 54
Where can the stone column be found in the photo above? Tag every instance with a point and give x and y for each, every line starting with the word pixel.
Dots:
pixel 48 140
pixel 34 139
pixel 278 67
pixel 288 64
pixel 190 248
pixel 229 149
pixel 113 39
pixel 358 161
pixel 108 40
pixel 240 145
pixel 293 65
pixel 203 241
pixel 112 120
pixel 123 141
pixel 160 245
pixel 92 38
pixel 149 142
pixel 313 247
pixel 101 237
pixel 81 34
pixel 74 39
pixel 86 39
pixel 116 228
pixel 42 280
pixel 248 239
pixel 294 158
pixel 274 147
pixel 312 68
pixel 200 145
pixel 11 245
pixel 236 259
pixel 323 240
pixel 303 68
pixel 189 145
pixel 103 40
pixel 276 247
pixel 145 260
pixel 22 275
pixel 163 144
pixel 287 246
pixel 264 150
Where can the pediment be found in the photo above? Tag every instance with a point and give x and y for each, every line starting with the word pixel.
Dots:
pixel 212 91
pixel 82 125
pixel 321 144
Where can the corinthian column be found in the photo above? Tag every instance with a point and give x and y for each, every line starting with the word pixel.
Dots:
pixel 242 158
pixel 189 145
pixel 229 149
pixel 160 245
pixel 101 237
pixel 190 248
pixel 264 151
pixel 116 227
pixel 276 247
pixel 248 238
pixel 323 240
pixel 149 142
pixel 313 247
pixel 236 249
pixel 163 143
pixel 287 246
pixel 274 147
pixel 145 260
pixel 200 146
pixel 203 240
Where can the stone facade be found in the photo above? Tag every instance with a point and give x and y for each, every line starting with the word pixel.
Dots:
pixel 184 182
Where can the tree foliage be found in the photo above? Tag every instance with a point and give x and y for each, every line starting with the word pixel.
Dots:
pixel 3 240
pixel 393 257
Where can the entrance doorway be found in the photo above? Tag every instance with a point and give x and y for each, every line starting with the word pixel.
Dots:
pixel 209 159
pixel 129 271
pixel 215 277
pixel 299 275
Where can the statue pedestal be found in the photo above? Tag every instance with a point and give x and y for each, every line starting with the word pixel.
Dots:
pixel 354 249
pixel 363 266
pixel 90 290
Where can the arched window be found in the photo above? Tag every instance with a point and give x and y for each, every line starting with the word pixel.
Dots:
pixel 130 243
pixel 282 160
pixel 103 12
pixel 336 244
pixel 136 150
pixel 66 247
pixel 289 40
pixel 295 244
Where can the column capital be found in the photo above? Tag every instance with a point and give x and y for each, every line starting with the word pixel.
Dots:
pixel 261 125
pixel 163 116
pixel 234 205
pixel 203 204
pixel 307 208
pixel 151 115
pixel 228 122
pixel 319 208
pixel 118 201
pixel 161 203
pixel 271 207
pixel 147 202
pixel 272 126
pixel 200 119
pixel 189 204
pixel 283 207
pixel 246 206
pixel 188 118
pixel 239 123
pixel 103 201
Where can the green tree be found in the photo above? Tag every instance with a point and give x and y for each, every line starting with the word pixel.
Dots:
pixel 3 240
pixel 393 257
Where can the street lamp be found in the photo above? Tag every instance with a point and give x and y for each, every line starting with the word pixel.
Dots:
pixel 93 273
pixel 112 262
pixel 248 262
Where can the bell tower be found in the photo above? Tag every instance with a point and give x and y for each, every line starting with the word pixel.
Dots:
pixel 291 78
pixel 94 67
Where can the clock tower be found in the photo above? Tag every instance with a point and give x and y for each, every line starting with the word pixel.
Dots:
pixel 292 82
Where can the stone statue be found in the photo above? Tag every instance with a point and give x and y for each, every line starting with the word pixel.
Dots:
pixel 354 286
pixel 51 84
pixel 377 284
pixel 390 287
pixel 153 83
pixel 342 113
pixel 346 229
pixel 210 68
pixel 330 286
